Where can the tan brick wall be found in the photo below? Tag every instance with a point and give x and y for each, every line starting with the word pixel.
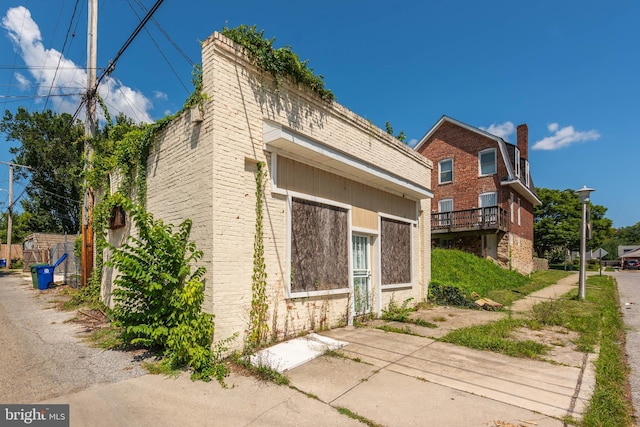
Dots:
pixel 206 171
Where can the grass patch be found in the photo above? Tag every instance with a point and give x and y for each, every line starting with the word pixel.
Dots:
pixel 393 329
pixel 423 323
pixel 609 405
pixel 344 411
pixel 457 276
pixel 309 395
pixel 107 338
pixel 495 337
pixel 162 366
pixel 599 324
pixel 340 355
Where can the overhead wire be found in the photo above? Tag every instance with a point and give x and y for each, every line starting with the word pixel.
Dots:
pixel 15 56
pixel 167 36
pixel 64 45
pixel 175 73
pixel 113 62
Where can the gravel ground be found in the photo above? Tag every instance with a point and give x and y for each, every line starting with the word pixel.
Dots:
pixel 42 354
pixel 629 289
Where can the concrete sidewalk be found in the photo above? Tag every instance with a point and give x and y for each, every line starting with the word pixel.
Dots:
pixel 388 378
pixel 398 379
pixel 547 294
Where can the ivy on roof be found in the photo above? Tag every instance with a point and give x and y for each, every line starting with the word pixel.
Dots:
pixel 281 62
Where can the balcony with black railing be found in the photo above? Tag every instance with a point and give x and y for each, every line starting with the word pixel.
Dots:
pixel 489 218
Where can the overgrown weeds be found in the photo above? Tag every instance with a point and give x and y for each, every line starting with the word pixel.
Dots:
pixel 398 313
pixel 260 370
pixel 349 413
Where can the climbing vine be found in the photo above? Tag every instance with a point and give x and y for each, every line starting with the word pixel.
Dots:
pixel 258 328
pixel 280 63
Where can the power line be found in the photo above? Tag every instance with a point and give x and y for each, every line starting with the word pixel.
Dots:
pixel 112 63
pixel 64 45
pixel 175 73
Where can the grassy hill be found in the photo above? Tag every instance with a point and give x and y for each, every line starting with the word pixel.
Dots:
pixel 468 273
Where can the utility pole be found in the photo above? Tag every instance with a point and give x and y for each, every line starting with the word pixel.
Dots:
pixel 9 216
pixel 90 131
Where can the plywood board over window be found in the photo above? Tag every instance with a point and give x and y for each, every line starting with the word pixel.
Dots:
pixel 395 251
pixel 319 247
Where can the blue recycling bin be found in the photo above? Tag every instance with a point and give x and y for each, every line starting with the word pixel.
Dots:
pixel 44 273
pixel 3 263
pixel 45 276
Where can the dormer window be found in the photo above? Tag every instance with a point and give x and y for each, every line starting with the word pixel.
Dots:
pixel 487 162
pixel 517 162
pixel 445 168
pixel 527 178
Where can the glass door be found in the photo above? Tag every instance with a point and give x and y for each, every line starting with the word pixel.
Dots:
pixel 361 274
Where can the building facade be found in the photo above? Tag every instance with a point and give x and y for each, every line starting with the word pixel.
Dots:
pixel 483 193
pixel 345 207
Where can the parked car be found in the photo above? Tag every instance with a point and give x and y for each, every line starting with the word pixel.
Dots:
pixel 630 264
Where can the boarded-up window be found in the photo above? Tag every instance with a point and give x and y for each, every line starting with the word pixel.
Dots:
pixel 395 248
pixel 319 247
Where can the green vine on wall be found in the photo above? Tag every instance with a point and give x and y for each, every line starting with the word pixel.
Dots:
pixel 280 63
pixel 258 328
pixel 124 147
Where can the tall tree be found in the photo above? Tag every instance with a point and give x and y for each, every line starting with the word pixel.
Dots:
pixel 19 229
pixel 557 222
pixel 629 235
pixel 52 146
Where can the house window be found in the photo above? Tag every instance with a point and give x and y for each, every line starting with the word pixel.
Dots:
pixel 488 199
pixel 445 206
pixel 519 206
pixel 446 171
pixel 526 173
pixel 488 203
pixel 511 206
pixel 319 247
pixel 487 162
pixel 517 162
pixel 395 251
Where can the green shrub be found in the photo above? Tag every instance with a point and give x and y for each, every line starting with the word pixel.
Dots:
pixel 443 294
pixel 158 298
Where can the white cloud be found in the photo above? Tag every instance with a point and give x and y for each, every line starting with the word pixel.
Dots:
pixel 563 137
pixel 69 79
pixel 160 95
pixel 23 81
pixel 412 142
pixel 502 130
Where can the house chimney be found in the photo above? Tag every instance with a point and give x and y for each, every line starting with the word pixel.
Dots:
pixel 522 133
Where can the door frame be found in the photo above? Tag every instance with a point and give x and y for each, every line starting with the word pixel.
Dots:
pixel 366 274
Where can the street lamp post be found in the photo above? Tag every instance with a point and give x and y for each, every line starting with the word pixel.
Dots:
pixel 584 198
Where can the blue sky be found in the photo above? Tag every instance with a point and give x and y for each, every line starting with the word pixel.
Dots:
pixel 569 69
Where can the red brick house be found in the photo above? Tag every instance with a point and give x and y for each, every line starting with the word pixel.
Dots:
pixel 483 193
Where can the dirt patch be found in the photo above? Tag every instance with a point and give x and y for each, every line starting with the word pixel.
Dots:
pixel 561 343
pixel 90 319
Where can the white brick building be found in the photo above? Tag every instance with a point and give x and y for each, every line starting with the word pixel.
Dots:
pixel 365 195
